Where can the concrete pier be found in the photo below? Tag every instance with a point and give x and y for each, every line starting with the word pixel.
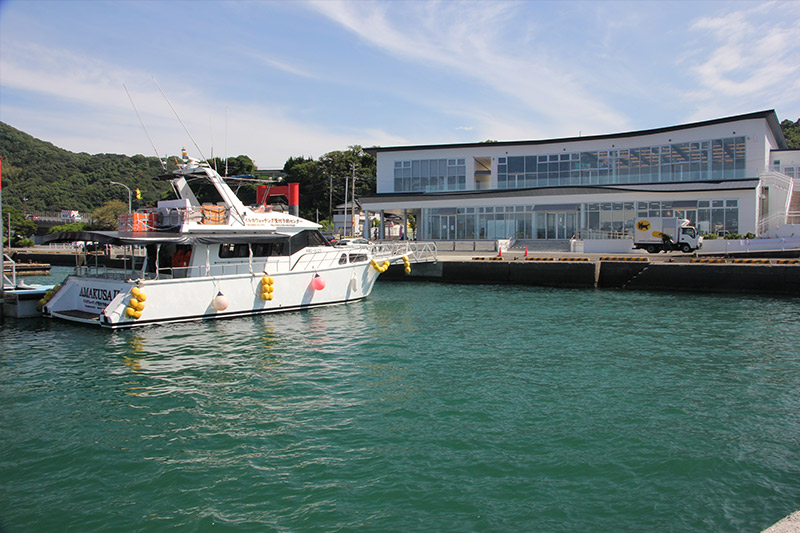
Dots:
pixel 665 273
pixel 790 524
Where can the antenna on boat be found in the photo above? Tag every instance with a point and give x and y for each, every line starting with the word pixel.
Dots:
pixel 199 151
pixel 163 164
pixel 226 140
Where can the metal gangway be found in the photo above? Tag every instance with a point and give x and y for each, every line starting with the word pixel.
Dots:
pixel 417 252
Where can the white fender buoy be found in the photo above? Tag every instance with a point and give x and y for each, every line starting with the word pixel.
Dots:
pixel 220 302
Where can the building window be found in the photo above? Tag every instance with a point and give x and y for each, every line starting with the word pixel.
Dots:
pixel 430 175
pixel 587 221
pixel 690 161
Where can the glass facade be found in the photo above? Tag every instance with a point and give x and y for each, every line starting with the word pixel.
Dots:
pixel 587 220
pixel 430 175
pixel 690 161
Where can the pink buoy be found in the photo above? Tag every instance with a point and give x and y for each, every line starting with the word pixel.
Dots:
pixel 317 283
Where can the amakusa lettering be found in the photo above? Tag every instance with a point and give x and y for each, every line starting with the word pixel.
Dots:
pixel 94 293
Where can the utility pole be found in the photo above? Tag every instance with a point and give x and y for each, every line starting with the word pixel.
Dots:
pixel 353 203
pixel 344 226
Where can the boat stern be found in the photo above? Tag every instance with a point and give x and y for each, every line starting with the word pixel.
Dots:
pixel 89 300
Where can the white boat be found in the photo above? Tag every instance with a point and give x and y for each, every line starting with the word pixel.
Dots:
pixel 213 261
pixel 19 298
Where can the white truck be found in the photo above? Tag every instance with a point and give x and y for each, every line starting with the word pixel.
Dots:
pixel 655 234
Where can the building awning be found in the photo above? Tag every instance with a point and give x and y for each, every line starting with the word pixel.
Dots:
pixel 539 194
pixel 159 237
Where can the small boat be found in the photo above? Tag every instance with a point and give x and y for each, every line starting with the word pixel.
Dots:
pixel 211 261
pixel 20 299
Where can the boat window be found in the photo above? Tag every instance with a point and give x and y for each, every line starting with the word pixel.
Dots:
pixel 343 259
pixel 358 258
pixel 260 249
pixel 307 238
pixel 227 251
pixel 266 249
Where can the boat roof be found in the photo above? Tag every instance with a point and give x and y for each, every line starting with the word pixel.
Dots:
pixel 162 237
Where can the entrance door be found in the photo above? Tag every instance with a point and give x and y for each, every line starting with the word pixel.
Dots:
pixel 559 226
pixel 448 227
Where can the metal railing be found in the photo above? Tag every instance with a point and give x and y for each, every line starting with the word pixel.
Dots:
pixel 417 252
pixel 776 219
pixel 591 234
pixel 12 281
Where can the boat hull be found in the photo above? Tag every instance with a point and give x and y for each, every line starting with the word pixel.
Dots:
pixel 104 302
pixel 23 301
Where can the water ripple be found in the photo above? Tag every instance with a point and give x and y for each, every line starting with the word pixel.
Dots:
pixel 425 407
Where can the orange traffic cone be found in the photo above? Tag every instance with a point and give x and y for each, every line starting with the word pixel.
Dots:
pixel 526 251
pixel 499 252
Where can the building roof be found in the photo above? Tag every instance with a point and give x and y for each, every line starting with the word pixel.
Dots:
pixel 769 116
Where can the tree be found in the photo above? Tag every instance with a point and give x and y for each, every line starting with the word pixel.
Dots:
pixel 791 130
pixel 72 226
pixel 312 184
pixel 107 216
pixel 322 182
pixel 236 166
pixel 21 227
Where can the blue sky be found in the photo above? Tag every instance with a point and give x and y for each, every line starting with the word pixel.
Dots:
pixel 279 79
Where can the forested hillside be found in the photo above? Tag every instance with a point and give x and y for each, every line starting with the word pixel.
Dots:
pixel 791 130
pixel 53 179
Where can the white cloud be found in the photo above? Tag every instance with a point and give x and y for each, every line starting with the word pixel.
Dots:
pixel 751 62
pixel 471 38
pixel 80 86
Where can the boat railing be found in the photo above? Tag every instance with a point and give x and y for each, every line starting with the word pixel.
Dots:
pixel 104 272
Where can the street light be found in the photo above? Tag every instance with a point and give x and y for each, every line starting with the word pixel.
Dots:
pixel 129 193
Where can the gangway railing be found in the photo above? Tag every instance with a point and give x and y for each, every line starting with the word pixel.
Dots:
pixel 417 252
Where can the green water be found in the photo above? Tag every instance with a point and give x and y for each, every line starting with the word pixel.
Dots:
pixel 426 407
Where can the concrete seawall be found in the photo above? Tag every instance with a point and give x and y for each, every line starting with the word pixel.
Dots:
pixel 781 279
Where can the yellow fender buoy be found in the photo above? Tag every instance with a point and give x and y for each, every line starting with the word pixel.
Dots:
pixel 267 288
pixel 136 303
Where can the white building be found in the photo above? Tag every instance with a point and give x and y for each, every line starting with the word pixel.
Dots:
pixel 729 175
